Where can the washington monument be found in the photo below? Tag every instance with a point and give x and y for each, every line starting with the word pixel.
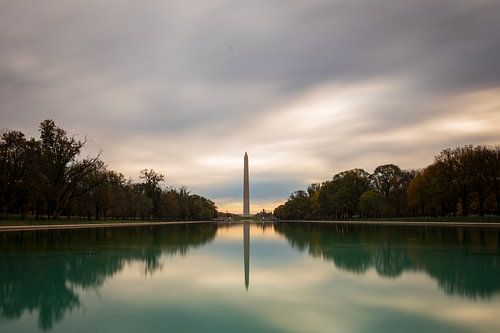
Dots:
pixel 246 188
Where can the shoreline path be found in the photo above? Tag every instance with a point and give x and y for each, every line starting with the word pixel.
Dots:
pixel 143 224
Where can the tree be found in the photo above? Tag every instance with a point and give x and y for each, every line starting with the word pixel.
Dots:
pixel 151 183
pixel 459 166
pixel 492 173
pixel 170 205
pixel 279 212
pixel 385 179
pixel 418 193
pixel 298 206
pixel 350 185
pixel 15 164
pixel 459 181
pixel 201 208
pixel 61 172
pixel 47 176
pixel 96 198
pixel 479 175
pixel 391 183
pixel 370 203
pixel 339 197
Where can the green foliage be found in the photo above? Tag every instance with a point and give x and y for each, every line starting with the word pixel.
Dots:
pixel 337 198
pixel 461 181
pixel 45 177
pixel 369 204
pixel 15 164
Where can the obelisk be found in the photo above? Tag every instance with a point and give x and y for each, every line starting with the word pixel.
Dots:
pixel 246 189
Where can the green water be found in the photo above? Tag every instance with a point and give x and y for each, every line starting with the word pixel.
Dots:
pixel 274 278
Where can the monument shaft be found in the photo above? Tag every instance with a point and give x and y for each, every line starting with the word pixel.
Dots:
pixel 246 188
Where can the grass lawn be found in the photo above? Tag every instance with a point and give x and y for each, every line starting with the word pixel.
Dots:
pixel 16 221
pixel 481 219
pixel 31 221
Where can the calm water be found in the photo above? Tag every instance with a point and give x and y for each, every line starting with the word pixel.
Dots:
pixel 281 278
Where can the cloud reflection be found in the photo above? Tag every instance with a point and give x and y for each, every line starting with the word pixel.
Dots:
pixel 198 84
pixel 301 279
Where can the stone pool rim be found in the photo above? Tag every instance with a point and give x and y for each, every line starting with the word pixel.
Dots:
pixel 18 228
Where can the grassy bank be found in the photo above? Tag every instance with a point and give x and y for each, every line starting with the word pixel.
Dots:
pixel 468 219
pixel 16 221
pixel 438 220
pixel 29 222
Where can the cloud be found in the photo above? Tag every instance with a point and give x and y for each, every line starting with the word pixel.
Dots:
pixel 308 88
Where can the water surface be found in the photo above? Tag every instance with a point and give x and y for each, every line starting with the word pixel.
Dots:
pixel 246 278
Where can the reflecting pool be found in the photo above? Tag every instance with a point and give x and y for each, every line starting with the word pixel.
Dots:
pixel 283 277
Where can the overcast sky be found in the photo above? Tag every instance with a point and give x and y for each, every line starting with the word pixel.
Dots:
pixel 308 88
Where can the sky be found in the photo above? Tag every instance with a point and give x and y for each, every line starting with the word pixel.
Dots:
pixel 307 88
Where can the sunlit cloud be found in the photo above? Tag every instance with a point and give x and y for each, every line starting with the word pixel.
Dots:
pixel 339 297
pixel 308 89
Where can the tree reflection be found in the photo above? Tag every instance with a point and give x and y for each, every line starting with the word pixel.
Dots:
pixel 464 261
pixel 40 270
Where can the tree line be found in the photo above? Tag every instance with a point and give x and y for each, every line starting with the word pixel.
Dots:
pixel 460 182
pixel 47 178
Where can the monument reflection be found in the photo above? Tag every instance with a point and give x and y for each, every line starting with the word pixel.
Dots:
pixel 44 272
pixel 246 252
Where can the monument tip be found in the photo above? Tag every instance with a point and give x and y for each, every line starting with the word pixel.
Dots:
pixel 246 190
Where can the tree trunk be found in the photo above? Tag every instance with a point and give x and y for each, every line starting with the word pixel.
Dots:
pixel 37 209
pixel 2 210
pixel 68 215
pixel 498 203
pixel 481 199
pixel 464 197
pixel 97 212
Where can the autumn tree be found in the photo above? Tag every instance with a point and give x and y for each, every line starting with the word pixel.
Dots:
pixel 16 162
pixel 151 182
pixel 370 203
pixel 491 160
pixel 61 172
pixel 391 183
